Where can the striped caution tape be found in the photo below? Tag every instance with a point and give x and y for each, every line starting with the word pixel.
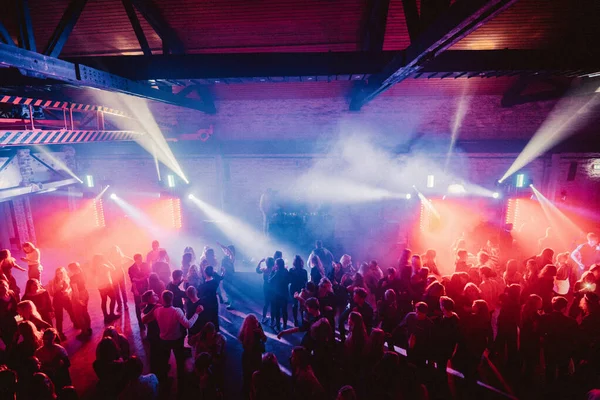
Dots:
pixel 14 138
pixel 17 100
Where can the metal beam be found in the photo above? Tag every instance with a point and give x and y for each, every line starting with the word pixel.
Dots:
pixel 43 137
pixel 64 28
pixel 244 65
pixel 152 14
pixel 81 75
pixel 137 28
pixel 411 15
pixel 26 37
pixel 5 36
pixel 462 18
pixel 6 194
pixel 375 27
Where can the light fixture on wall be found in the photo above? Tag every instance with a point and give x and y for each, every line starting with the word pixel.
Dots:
pixel 430 181
pixel 171 181
pixel 89 181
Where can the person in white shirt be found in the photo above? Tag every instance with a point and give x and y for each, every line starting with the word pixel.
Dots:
pixel 172 324
pixel 32 258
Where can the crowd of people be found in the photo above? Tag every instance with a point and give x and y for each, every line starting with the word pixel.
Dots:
pixel 366 331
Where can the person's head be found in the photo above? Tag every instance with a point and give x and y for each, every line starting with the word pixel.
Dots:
pixel 298 262
pixel 321 331
pixel 277 254
pixel 315 261
pixel 589 303
pixel 248 327
pixel 390 296
pixel 61 274
pixel 462 255
pixel 280 264
pixel 416 262
pixel 481 309
pixel 533 304
pixel 191 292
pixel 549 271
pixel 547 254
pixel 155 245
pixel 41 387
pixel 153 278
pixel 209 253
pixel 167 298
pixel 28 247
pixel 595 270
pixel 69 393
pixel 4 254
pixel 446 304
pixel 377 340
pixel 27 309
pixel 562 258
pixel 346 261
pixel 435 289
pixel 74 268
pixel 592 239
pixel 193 271
pixel 209 271
pixel 471 291
pixel 355 321
pixel 187 258
pixel 107 349
pixel 559 303
pixel 300 358
pixel 177 276
pixel 325 285
pixel 312 306
pixel 421 309
pixel 318 244
pixel 513 292
pixel 512 267
pixel 269 366
pixel 404 259
pixel 230 251
pixel 208 330
pixel 486 273
pixel 28 331
pixel 391 273
pixel 8 383
pixel 270 262
pixel 162 255
pixel 112 332
pixel 482 257
pixel 359 296
pixel 49 337
pixel 32 286
pixel 373 264
pixel 346 393
pixel 133 368
pixel 430 255
pixel 150 297
pixel 138 259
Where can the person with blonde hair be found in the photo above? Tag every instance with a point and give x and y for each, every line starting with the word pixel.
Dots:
pixel 61 291
pixel 253 340
pixel 41 298
pixel 28 312
pixel 32 258
pixel 7 263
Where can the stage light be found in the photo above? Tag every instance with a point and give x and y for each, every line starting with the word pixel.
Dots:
pixel 408 196
pixel 430 181
pixel 596 166
pixel 456 188
pixel 113 196
pixel 520 182
pixel 191 196
pixel 89 181
pixel 496 195
pixel 170 181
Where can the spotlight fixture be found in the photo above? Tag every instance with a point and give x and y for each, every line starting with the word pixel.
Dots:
pixel 456 188
pixel 171 181
pixel 496 195
pixel 113 196
pixel 408 196
pixel 430 181
pixel 89 181
pixel 191 196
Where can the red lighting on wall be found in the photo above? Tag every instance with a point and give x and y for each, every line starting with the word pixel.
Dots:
pixel 98 210
pixel 175 207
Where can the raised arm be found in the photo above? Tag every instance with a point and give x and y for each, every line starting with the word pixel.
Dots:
pixel 259 270
pixel 188 323
pixel 576 256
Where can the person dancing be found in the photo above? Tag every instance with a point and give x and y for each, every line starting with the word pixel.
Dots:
pixel 7 263
pixel 61 291
pixel 102 269
pixel 32 258
pixel 80 300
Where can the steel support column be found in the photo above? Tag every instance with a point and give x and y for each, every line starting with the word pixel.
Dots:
pixel 171 41
pixel 137 28
pixel 26 37
pixel 5 36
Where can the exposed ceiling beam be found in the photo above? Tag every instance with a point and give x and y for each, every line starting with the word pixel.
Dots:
pixel 81 75
pixel 411 15
pixel 453 63
pixel 152 14
pixel 206 66
pixel 5 36
pixel 9 193
pixel 26 37
pixel 64 28
pixel 375 27
pixel 462 18
pixel 137 27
